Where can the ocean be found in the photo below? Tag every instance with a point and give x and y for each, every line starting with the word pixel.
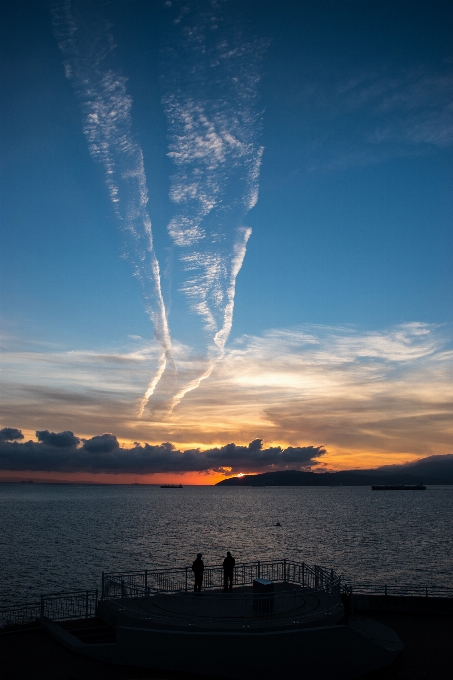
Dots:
pixel 58 538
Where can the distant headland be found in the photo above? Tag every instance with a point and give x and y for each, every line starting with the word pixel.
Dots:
pixel 433 470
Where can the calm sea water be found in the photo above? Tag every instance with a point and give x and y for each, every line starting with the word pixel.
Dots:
pixel 61 537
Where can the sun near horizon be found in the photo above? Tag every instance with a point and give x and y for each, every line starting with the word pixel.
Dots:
pixel 336 464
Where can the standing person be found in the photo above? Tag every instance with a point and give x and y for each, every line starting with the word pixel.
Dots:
pixel 198 569
pixel 228 570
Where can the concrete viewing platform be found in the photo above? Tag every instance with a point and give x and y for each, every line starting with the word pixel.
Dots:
pixel 281 619
pixel 289 605
pixel 264 595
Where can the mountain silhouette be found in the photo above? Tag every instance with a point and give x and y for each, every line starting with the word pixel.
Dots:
pixel 431 470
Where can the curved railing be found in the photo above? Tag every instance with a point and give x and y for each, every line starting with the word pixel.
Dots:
pixel 302 592
pixel 115 584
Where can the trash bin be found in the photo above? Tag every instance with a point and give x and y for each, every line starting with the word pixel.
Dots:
pixel 263 596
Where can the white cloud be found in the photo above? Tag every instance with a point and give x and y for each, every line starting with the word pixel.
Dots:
pixel 369 397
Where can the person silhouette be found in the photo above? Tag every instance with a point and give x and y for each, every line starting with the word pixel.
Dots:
pixel 228 570
pixel 198 569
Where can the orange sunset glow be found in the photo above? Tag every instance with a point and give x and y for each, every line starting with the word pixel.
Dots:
pixel 317 401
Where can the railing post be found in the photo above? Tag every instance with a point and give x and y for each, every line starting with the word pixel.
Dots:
pixel 146 579
pixel 102 589
pixel 284 570
pixel 42 608
pixel 259 569
pixel 385 589
pixel 303 574
pixel 122 593
pixel 86 604
pixel 187 577
pixel 96 607
pixel 426 591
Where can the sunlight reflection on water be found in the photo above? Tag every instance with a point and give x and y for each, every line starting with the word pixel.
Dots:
pixel 61 537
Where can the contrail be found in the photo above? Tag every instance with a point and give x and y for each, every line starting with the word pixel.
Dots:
pixel 239 249
pixel 88 48
pixel 211 103
pixel 221 336
pixel 214 123
pixel 153 383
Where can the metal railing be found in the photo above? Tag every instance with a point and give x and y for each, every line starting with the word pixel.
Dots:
pixel 301 592
pixel 114 584
pixel 412 590
pixel 57 607
pixel 308 582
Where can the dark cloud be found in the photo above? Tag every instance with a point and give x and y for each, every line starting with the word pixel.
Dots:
pixel 59 452
pixel 60 439
pixel 9 434
pixel 101 443
pixel 254 458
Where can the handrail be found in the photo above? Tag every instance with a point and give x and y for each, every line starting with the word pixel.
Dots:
pixel 137 591
pixel 178 581
pixel 397 589
pixel 77 604
pixel 180 578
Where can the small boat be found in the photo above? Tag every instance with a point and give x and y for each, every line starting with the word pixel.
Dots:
pixel 399 487
pixel 171 486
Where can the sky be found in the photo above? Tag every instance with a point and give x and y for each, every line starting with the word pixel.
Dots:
pixel 226 237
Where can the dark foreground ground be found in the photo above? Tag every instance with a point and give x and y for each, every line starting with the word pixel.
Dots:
pixel 33 655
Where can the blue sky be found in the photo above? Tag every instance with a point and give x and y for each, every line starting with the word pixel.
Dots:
pixel 351 235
